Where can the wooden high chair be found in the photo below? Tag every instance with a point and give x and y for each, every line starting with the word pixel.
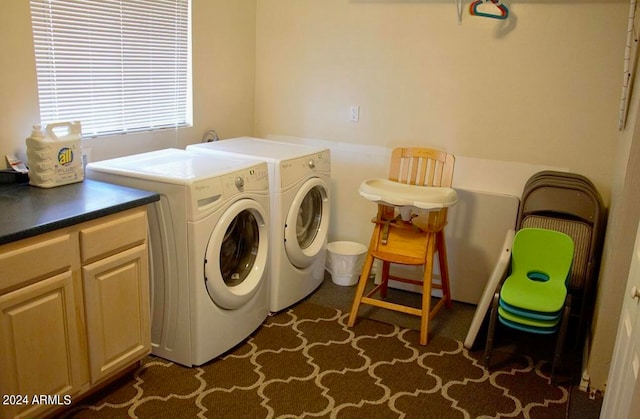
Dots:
pixel 413 242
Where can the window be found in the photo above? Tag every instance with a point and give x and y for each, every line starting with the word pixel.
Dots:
pixel 117 66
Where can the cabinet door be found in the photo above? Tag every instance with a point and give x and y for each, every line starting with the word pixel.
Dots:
pixel 116 291
pixel 40 348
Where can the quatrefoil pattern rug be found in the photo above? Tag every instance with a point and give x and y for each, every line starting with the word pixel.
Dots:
pixel 305 362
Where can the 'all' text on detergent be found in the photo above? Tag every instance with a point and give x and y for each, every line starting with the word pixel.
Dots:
pixel 54 156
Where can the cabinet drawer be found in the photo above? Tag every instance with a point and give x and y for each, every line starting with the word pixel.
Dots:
pixel 35 258
pixel 113 234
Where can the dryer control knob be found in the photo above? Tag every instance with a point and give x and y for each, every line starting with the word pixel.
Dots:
pixel 312 164
pixel 239 182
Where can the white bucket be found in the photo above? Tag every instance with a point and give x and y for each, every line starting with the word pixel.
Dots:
pixel 344 261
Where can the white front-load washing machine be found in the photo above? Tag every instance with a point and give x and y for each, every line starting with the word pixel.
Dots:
pixel 208 248
pixel 299 177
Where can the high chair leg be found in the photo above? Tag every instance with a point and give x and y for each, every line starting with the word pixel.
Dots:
pixel 444 268
pixel 426 291
pixel 362 283
pixel 384 278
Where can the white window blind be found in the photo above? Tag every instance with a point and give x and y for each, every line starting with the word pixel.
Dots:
pixel 116 66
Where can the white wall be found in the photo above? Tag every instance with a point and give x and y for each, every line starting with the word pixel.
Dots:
pixel 541 88
pixel 223 80
pixel 18 85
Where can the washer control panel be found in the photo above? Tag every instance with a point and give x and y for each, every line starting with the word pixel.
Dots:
pixel 254 179
pixel 208 194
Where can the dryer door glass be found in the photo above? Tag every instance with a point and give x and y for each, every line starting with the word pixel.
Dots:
pixel 239 248
pixel 309 217
pixel 307 223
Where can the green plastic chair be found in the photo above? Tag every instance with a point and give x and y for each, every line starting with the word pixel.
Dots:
pixel 540 265
pixel 533 298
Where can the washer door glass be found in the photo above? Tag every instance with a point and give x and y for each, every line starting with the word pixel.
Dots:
pixel 236 255
pixel 307 223
pixel 239 248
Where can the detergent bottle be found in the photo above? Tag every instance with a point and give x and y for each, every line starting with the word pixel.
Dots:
pixel 54 156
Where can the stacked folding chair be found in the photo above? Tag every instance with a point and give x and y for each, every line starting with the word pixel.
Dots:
pixel 569 203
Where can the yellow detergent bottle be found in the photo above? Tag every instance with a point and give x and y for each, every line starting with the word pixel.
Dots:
pixel 55 156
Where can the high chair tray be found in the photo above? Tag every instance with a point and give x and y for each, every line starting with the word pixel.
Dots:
pixel 388 192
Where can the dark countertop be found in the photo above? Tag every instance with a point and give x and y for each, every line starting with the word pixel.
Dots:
pixel 27 211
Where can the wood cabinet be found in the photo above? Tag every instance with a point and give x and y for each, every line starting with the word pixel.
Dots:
pixel 40 327
pixel 74 311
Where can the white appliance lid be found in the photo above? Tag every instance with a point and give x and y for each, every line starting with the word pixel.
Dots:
pixel 171 165
pixel 261 148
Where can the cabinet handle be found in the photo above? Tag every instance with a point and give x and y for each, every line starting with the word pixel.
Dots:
pixel 635 292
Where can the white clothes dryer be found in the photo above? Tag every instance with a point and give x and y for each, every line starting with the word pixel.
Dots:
pixel 299 178
pixel 208 248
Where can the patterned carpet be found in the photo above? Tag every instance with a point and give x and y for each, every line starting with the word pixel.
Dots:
pixel 305 362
